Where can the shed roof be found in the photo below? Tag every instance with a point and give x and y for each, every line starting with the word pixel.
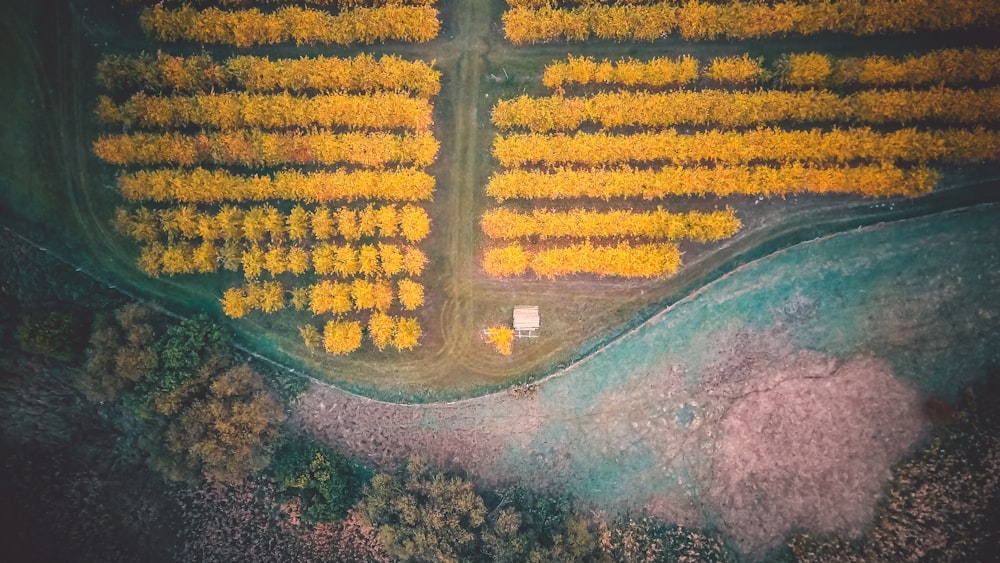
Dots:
pixel 526 317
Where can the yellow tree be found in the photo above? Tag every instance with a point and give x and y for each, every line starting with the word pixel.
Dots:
pixel 362 294
pixel 502 338
pixel 414 223
pixel 411 294
pixel 368 264
pixel 298 223
pixel 300 298
pixel 383 295
pixel 310 336
pixel 391 259
pixel 342 337
pixel 234 303
pixel 298 260
pixel 272 297
pixel 381 329
pixel 414 260
pixel 407 334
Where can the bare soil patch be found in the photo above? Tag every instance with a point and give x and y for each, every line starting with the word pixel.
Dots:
pixel 809 448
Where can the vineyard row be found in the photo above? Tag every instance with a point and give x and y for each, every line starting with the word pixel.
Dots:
pixel 740 109
pixel 944 66
pixel 327 75
pixel 324 297
pixel 257 149
pixel 331 3
pixel 215 186
pixel 345 261
pixel 621 260
pixel 246 28
pixel 344 337
pixel 838 146
pixel 503 223
pixel 259 223
pixel 872 181
pixel 695 19
pixel 238 110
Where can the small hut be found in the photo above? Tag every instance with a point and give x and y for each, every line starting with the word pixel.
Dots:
pixel 526 321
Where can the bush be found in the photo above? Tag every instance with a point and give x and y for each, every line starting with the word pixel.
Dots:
pixel 52 334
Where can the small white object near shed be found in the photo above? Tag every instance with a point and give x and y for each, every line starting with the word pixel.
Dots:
pixel 526 321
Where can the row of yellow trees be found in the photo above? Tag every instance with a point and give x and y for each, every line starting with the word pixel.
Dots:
pixel 246 28
pixel 323 297
pixel 365 119
pixel 620 260
pixel 883 180
pixel 699 19
pixel 257 224
pixel 325 259
pixel 344 337
pixel 659 71
pixel 504 223
pixel 343 4
pixel 256 148
pixel 199 185
pixel 326 75
pixel 742 109
pixel 838 146
pixel 942 66
pixel 239 110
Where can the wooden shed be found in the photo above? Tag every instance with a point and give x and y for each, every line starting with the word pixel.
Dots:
pixel 526 321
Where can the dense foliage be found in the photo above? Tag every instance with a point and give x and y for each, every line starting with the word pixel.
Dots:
pixel 319 478
pixel 239 110
pixel 837 146
pixel 870 180
pixel 202 73
pixel 503 223
pixel 257 149
pixel 535 21
pixel 741 109
pixel 199 413
pixel 245 28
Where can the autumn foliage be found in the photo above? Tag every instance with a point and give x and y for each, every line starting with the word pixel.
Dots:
pixel 506 224
pixel 325 75
pixel 873 181
pixel 533 22
pixel 943 66
pixel 741 147
pixel 622 260
pixel 200 185
pixel 660 71
pixel 245 28
pixel 256 148
pixel 231 162
pixel 256 224
pixel 742 109
pixel 502 338
pixel 239 110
